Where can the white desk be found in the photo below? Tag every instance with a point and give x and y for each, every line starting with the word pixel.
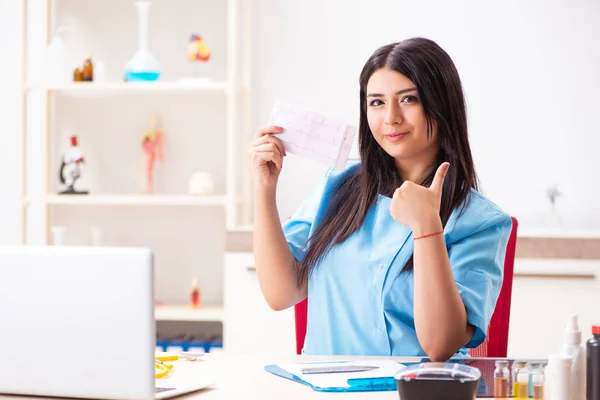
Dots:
pixel 244 377
pixel 240 376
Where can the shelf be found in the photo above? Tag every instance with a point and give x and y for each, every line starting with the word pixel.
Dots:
pixel 187 313
pixel 134 200
pixel 123 88
pixel 558 234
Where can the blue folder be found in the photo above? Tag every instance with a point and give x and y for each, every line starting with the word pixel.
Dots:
pixel 378 384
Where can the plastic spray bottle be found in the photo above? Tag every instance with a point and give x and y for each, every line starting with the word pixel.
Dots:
pixel 573 348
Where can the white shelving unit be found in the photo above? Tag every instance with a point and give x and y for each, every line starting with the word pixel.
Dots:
pixel 185 313
pixel 132 200
pixel 38 198
pixel 125 88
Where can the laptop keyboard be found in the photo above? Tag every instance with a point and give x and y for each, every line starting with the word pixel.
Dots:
pixel 163 389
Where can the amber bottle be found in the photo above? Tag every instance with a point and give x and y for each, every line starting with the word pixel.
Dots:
pixel 77 75
pixel 88 69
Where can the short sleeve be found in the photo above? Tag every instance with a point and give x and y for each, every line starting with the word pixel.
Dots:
pixel 298 228
pixel 477 262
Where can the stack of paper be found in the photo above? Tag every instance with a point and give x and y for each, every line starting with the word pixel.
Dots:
pixel 312 135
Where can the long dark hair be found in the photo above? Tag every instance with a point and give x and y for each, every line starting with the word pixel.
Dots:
pixel 441 95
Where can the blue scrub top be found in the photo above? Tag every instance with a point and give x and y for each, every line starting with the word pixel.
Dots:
pixel 360 304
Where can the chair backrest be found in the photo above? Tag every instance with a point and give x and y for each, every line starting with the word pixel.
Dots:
pixel 496 342
pixel 300 314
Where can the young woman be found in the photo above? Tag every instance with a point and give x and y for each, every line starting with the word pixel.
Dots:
pixel 398 254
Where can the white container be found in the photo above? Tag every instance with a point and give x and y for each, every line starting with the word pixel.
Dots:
pixel 57 70
pixel 99 72
pixel 573 348
pixel 96 233
pixel 58 235
pixel 558 378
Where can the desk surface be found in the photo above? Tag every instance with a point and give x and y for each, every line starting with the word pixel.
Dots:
pixel 243 376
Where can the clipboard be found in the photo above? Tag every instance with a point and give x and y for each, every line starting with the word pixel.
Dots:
pixel 346 382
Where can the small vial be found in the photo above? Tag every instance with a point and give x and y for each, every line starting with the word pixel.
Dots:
pixel 522 385
pixel 538 384
pixel 502 379
pixel 536 379
pixel 531 366
pixel 517 366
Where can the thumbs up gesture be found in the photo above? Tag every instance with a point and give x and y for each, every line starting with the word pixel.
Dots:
pixel 418 207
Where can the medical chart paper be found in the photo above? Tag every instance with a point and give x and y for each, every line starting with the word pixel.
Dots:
pixel 387 369
pixel 312 135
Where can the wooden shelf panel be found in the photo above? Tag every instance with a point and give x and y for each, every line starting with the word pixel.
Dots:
pixel 187 313
pixel 124 88
pixel 134 200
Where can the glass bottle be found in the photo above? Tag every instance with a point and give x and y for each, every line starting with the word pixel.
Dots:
pixel 502 379
pixel 531 366
pixel 522 384
pixel 143 66
pixel 517 366
pixel 88 69
pixel 77 75
pixel 537 382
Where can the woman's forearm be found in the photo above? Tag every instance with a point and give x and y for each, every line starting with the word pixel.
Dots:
pixel 439 312
pixel 273 257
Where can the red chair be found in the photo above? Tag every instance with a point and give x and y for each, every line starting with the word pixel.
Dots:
pixel 496 342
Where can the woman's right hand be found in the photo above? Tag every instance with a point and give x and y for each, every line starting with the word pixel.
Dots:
pixel 266 154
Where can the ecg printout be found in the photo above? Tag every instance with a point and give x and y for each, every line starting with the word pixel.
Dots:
pixel 313 135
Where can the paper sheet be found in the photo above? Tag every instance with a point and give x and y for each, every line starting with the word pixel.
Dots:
pixel 313 135
pixel 387 368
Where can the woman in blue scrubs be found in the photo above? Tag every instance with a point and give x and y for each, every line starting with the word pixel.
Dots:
pixel 399 254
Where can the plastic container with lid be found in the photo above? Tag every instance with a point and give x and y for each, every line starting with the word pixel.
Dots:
pixel 434 381
pixel 558 377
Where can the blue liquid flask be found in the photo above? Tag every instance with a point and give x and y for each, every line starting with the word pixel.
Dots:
pixel 143 67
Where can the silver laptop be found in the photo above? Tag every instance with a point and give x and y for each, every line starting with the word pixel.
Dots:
pixel 79 322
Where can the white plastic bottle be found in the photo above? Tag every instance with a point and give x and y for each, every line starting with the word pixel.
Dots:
pixel 557 378
pixel 573 348
pixel 56 69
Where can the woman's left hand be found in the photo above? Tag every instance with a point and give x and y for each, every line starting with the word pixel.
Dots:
pixel 418 207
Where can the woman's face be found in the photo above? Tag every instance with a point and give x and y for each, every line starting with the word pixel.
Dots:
pixel 397 119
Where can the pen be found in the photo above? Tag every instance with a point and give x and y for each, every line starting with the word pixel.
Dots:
pixel 337 369
pixel 167 357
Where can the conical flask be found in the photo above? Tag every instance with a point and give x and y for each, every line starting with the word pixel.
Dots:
pixel 143 66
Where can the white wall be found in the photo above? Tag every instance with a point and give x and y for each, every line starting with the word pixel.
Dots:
pixel 529 68
pixel 10 122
